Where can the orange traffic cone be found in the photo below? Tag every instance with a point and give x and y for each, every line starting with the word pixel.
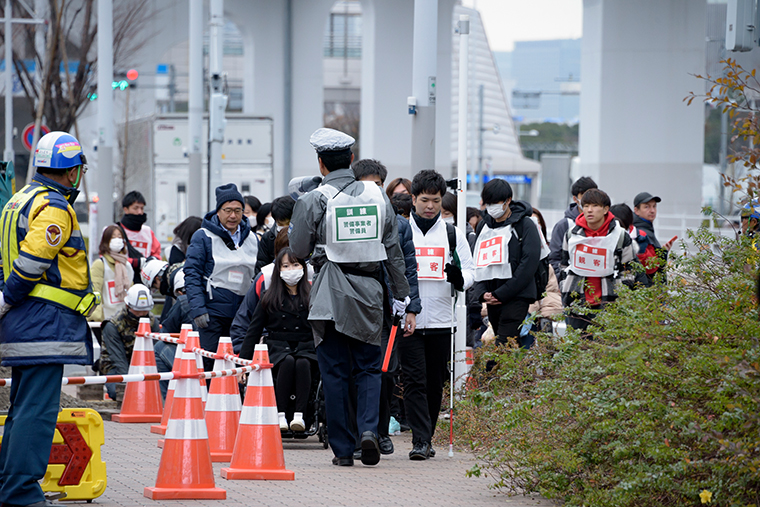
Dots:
pixel 161 428
pixel 142 400
pixel 194 340
pixel 258 446
pixel 223 406
pixel 185 471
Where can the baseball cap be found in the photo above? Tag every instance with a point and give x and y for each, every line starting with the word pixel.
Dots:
pixel 645 197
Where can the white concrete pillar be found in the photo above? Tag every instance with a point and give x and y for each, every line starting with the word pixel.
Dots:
pixel 386 80
pixel 636 133
pixel 309 21
pixel 443 130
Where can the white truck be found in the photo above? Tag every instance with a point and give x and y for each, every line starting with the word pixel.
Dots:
pixel 157 164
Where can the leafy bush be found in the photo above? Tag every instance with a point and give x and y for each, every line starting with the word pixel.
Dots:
pixel 661 408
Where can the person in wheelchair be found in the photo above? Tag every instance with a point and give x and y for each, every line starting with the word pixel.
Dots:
pixel 284 311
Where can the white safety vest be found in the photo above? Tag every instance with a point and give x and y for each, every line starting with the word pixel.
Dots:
pixel 492 253
pixel 233 269
pixel 354 224
pixel 431 251
pixel 593 257
pixel 142 240
pixel 110 301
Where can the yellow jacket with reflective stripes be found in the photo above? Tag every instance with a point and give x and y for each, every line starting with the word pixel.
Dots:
pixel 45 278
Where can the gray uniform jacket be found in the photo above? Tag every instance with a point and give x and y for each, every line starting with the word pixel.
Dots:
pixel 354 302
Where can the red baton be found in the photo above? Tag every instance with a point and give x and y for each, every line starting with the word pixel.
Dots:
pixel 391 339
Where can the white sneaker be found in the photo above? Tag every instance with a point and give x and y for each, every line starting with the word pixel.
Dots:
pixel 297 424
pixel 283 421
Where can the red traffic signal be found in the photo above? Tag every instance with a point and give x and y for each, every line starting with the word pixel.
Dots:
pixel 132 74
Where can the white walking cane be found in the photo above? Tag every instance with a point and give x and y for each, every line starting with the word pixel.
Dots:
pixel 451 375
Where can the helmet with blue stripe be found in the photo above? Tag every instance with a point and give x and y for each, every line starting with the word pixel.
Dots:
pixel 751 210
pixel 59 150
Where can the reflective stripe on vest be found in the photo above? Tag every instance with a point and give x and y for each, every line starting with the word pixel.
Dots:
pixel 354 224
pixel 31 349
pixel 10 218
pixel 492 254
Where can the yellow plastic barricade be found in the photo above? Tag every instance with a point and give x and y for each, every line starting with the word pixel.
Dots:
pixel 75 465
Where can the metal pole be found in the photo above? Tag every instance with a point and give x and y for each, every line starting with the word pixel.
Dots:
pixel 105 214
pixel 424 70
pixel 218 101
pixel 8 154
pixel 287 113
pixel 722 204
pixel 195 199
pixel 480 137
pixel 460 365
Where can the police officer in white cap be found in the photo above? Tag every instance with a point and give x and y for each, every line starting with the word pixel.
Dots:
pixel 348 228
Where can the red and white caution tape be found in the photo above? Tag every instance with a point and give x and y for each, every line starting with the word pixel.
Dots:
pixel 141 377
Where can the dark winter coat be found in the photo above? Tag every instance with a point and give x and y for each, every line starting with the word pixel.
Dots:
pixel 410 260
pixel 289 332
pixel 200 264
pixel 266 249
pixel 558 235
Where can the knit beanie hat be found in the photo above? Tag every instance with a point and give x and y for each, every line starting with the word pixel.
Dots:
pixel 227 193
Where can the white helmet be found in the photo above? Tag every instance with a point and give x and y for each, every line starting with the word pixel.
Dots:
pixel 179 281
pixel 139 298
pixel 151 270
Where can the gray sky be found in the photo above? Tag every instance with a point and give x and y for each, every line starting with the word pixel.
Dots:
pixel 507 21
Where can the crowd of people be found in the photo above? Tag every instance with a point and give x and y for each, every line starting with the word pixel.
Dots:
pixel 372 252
pixel 321 275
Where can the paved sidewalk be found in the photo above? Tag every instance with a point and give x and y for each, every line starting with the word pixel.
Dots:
pixel 132 459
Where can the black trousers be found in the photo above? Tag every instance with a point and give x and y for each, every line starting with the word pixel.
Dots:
pixel 293 376
pixel 507 318
pixel 424 358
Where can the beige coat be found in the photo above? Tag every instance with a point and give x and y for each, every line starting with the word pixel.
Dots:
pixel 552 304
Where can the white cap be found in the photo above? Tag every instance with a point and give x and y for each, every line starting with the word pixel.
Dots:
pixel 325 139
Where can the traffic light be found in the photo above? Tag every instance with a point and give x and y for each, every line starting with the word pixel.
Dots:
pixel 119 82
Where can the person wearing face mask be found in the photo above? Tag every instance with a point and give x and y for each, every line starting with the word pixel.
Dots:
pixel 284 312
pixel 118 335
pixel 444 265
pixel 45 299
pixel 282 210
pixel 449 215
pixel 507 254
pixel 141 242
pixel 111 274
pixel 219 268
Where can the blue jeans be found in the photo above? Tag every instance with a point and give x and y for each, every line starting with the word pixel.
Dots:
pixel 336 354
pixel 28 433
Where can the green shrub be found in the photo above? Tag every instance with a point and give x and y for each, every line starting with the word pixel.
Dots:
pixel 662 405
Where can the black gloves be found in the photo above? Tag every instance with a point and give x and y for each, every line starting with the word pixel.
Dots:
pixel 454 276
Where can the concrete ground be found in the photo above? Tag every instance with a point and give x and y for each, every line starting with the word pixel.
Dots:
pixel 132 459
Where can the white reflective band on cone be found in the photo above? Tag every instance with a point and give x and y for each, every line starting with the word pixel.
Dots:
pixel 135 369
pixel 223 403
pixel 143 344
pixel 260 380
pixel 259 416
pixel 186 429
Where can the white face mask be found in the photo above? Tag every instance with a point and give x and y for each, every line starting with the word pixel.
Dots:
pixel 292 276
pixel 116 245
pixel 496 211
pixel 269 222
pixel 449 220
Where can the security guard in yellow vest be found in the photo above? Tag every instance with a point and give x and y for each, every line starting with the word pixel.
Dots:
pixel 45 297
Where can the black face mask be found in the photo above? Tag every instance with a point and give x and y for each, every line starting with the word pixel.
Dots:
pixel 134 222
pixel 71 197
pixel 132 318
